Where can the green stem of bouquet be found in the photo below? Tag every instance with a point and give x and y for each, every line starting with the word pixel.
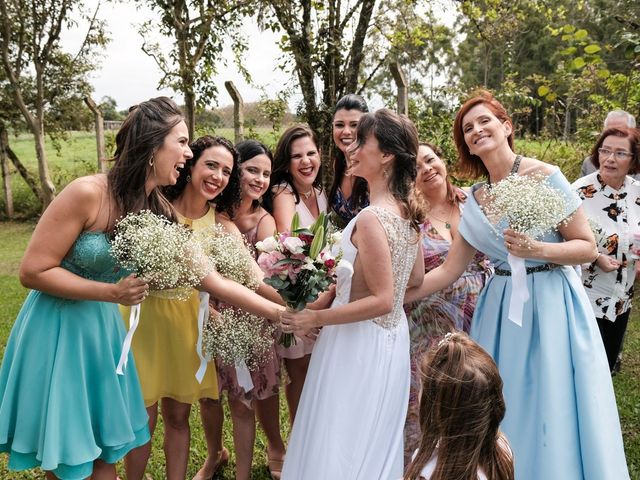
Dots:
pixel 288 339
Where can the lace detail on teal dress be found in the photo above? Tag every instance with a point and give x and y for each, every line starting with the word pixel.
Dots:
pixel 403 244
pixel 90 258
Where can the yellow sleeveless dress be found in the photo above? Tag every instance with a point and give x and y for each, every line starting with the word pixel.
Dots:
pixel 164 345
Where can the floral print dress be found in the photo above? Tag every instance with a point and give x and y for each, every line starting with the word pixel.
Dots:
pixel 448 310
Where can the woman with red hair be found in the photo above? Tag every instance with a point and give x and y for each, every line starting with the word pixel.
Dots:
pixel 561 418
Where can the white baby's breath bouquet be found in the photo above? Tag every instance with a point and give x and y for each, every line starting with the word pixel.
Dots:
pixel 234 336
pixel 163 253
pixel 529 204
pixel 531 207
pixel 229 254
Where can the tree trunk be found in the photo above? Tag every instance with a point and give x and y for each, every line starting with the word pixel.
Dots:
pixel 567 121
pixel 6 177
pixel 99 126
pixel 48 189
pixel 190 112
pixel 24 173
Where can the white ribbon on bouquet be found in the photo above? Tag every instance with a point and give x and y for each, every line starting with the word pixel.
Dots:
pixel 134 319
pixel 519 288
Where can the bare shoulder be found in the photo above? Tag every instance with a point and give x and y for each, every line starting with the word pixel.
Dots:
pixel 532 166
pixel 227 224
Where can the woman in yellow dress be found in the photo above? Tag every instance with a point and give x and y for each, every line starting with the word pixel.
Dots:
pixel 164 344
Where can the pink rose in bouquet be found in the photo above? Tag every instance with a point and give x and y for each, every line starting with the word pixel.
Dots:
pixel 300 264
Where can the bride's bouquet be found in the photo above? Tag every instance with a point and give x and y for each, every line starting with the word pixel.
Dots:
pixel 531 207
pixel 165 254
pixel 300 264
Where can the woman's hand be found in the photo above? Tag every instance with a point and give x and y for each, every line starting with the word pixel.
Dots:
pixel 607 263
pixel 299 322
pixel 131 290
pixel 521 245
pixel 325 299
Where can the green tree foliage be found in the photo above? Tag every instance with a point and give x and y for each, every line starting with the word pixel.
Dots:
pixel 46 84
pixel 199 29
pixel 325 40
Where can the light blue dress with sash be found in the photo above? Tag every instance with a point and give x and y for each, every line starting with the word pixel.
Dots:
pixel 62 405
pixel 561 419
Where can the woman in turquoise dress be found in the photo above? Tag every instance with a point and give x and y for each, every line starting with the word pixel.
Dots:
pixel 561 418
pixel 62 405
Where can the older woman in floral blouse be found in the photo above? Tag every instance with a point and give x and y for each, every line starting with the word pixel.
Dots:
pixel 611 200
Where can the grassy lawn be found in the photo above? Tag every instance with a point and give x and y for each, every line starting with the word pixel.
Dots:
pixel 13 239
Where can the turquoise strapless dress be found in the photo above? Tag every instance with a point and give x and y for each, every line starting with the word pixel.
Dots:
pixel 561 419
pixel 62 406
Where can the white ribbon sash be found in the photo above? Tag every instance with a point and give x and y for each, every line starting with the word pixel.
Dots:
pixel 203 310
pixel 519 288
pixel 243 376
pixel 134 319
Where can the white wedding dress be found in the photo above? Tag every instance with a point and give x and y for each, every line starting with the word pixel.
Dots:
pixel 352 411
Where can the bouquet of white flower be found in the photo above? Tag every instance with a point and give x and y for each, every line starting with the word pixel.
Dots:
pixel 235 336
pixel 164 254
pixel 531 207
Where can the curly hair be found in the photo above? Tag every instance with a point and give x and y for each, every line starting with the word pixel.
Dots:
pixel 397 135
pixel 229 198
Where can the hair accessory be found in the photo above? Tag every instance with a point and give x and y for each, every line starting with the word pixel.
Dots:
pixel 188 178
pixel 445 339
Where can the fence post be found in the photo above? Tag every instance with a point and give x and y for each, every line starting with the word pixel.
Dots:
pixel 97 113
pixel 238 111
pixel 403 88
pixel 6 177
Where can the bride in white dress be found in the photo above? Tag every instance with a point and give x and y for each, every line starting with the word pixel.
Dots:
pixel 350 420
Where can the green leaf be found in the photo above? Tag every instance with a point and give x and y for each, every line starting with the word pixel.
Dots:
pixel 581 34
pixel 569 29
pixel 318 242
pixel 543 90
pixel 568 51
pixel 591 49
pixel 551 97
pixel 295 224
pixel 603 73
pixel 578 63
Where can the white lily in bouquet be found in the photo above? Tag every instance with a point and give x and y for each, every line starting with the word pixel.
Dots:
pixel 300 264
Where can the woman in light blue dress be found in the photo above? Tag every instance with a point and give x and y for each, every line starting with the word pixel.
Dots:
pixel 561 418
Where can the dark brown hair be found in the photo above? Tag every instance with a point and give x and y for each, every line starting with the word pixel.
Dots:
pixel 247 149
pixel 397 135
pixel 360 192
pixel 452 192
pixel 470 165
pixel 230 196
pixel 142 133
pixel 461 407
pixel 632 135
pixel 282 161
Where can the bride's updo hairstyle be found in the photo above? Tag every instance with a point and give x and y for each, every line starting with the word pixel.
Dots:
pixel 398 136
pixel 469 165
pixel 142 133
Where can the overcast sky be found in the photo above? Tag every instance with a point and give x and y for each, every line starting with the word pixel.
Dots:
pixel 130 76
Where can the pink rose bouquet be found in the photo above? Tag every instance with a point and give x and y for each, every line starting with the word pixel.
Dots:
pixel 300 264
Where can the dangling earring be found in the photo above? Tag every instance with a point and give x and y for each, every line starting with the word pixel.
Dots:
pixel 151 161
pixel 385 173
pixel 188 178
